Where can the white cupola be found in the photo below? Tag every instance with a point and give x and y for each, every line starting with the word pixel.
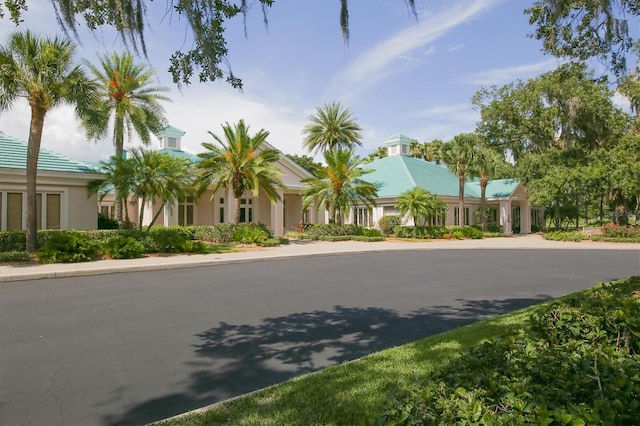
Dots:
pixel 398 144
pixel 170 138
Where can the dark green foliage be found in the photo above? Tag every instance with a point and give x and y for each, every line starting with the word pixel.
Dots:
pixel 250 235
pixel 335 238
pixel 13 241
pixel 105 222
pixel 68 247
pixel 615 239
pixel 388 223
pixel 14 256
pixel 368 239
pixel 168 240
pixel 534 228
pixel 579 364
pixel 123 247
pixel 273 242
pixel 471 232
pixel 494 228
pixel 421 232
pixel 332 229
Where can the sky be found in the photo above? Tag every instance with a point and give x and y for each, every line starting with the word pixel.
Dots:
pixel 396 75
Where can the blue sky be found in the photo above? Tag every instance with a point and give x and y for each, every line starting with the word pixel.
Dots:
pixel 396 74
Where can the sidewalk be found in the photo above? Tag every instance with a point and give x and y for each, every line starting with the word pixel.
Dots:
pixel 296 248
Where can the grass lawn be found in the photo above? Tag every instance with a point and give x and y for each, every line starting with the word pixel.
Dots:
pixel 354 392
pixel 221 248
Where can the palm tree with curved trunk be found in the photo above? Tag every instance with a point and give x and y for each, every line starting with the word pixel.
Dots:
pixel 331 127
pixel 43 71
pixel 421 204
pixel 242 163
pixel 459 155
pixel 129 104
pixel 339 185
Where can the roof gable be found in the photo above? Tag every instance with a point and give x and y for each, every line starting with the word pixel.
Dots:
pixel 14 156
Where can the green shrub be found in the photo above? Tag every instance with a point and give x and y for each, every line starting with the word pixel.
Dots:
pixel 105 222
pixel 331 229
pixel 471 232
pixel 68 247
pixel 615 239
pixel 372 233
pixel 13 241
pixel 335 238
pixel 296 235
pixel 274 242
pixel 457 234
pixel 250 235
pixel 166 240
pixel 368 239
pixel 194 247
pixel 564 236
pixel 388 223
pixel 492 234
pixel 220 234
pixel 14 256
pixel 420 232
pixel 578 365
pixel 123 247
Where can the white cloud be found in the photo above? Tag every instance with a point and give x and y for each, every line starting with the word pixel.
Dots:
pixel 507 75
pixel 456 47
pixel 446 121
pixel 380 61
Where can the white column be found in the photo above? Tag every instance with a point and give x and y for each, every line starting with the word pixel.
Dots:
pixel 505 216
pixel 229 211
pixel 170 214
pixel 525 217
pixel 277 216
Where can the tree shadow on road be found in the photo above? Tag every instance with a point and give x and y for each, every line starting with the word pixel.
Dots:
pixel 234 359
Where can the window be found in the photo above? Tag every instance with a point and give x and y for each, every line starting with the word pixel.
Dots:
pixel 172 142
pixel 439 218
pixel 185 212
pixel 456 216
pixel 361 216
pixel 14 210
pixel 53 211
pixel 246 210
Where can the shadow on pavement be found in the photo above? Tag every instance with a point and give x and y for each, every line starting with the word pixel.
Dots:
pixel 239 358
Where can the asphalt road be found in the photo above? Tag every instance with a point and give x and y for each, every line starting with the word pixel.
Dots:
pixel 132 348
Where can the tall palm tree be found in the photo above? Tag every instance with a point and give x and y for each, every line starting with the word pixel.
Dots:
pixel 339 185
pixel 241 163
pixel 148 175
pixel 129 104
pixel 332 127
pixel 485 164
pixel 459 155
pixel 42 70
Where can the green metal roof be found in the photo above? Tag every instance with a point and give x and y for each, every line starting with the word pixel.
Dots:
pixel 499 188
pixel 14 156
pixel 172 129
pixel 398 138
pixel 181 154
pixel 400 173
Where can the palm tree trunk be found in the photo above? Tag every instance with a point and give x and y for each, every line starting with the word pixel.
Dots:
pixel 141 214
pixel 236 212
pixel 156 216
pixel 461 200
pixel 33 151
pixel 118 205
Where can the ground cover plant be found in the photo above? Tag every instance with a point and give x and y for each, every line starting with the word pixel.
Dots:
pixel 383 387
pixel 334 232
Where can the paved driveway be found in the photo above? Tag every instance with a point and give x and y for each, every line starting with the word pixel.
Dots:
pixel 132 348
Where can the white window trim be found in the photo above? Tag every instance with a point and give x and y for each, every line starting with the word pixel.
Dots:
pixel 64 204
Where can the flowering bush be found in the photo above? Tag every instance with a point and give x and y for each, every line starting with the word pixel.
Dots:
pixel 619 231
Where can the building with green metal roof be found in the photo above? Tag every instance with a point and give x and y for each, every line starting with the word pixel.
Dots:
pixel 400 172
pixel 62 198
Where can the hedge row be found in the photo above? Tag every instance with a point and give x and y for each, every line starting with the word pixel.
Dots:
pixel 437 232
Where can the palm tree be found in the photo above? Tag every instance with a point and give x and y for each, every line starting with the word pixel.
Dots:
pixel 459 155
pixel 331 127
pixel 242 163
pixel 485 163
pixel 414 201
pixel 339 185
pixel 433 151
pixel 129 103
pixel 148 175
pixel 42 70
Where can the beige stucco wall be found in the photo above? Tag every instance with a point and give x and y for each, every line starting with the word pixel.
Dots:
pixel 82 212
pixel 293 211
